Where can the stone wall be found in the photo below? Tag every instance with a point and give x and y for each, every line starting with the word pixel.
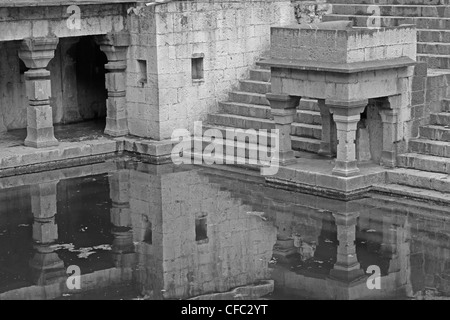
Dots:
pixel 229 36
pixel 311 11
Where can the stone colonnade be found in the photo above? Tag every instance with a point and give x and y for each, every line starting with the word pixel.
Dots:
pixel 36 53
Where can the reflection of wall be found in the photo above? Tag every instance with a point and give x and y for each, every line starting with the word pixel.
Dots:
pixel 238 245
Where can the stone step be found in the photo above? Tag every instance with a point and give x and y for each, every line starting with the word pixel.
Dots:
pixel 435 61
pixel 249 98
pixel 411 192
pixel 237 121
pixel 441 11
pixel 260 75
pixel 306 130
pixel 429 35
pixel 305 144
pixel 241 151
pixel 420 22
pixel 430 147
pixel 440 119
pixel 264 112
pixel 298 143
pixel 255 86
pixel 309 117
pixel 424 162
pixel 433 48
pixel 265 138
pixel 420 179
pixel 446 105
pixel 432 132
pixel 400 2
pixel 246 110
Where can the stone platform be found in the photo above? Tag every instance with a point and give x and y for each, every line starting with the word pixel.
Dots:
pixel 85 144
pixel 80 144
pixel 314 174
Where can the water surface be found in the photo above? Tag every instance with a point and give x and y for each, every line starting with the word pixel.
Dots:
pixel 139 231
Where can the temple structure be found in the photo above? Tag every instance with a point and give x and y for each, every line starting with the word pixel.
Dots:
pixel 360 100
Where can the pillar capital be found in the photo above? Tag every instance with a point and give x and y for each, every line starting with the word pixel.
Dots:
pixel 36 53
pixel 346 109
pixel 282 101
pixel 114 45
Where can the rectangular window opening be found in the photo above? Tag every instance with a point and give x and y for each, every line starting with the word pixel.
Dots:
pixel 142 64
pixel 201 232
pixel 197 67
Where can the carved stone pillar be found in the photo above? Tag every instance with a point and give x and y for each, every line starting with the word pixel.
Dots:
pixel 325 143
pixel 346 115
pixel 389 113
pixel 283 109
pixel 115 46
pixel 46 266
pixel 123 247
pixel 347 267
pixel 36 53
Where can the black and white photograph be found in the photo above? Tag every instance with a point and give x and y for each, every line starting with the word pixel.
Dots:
pixel 225 155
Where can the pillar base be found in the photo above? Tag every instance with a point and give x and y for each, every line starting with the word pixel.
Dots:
pixel 388 159
pixel 325 150
pixel 116 128
pixel 345 169
pixel 46 138
pixel 287 158
pixel 347 276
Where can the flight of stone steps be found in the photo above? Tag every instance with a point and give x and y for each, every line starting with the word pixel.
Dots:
pixel 427 164
pixel 431 17
pixel 248 108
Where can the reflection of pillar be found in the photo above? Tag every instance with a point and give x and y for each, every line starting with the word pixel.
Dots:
pixel 46 265
pixel 283 109
pixel 346 115
pixel 325 144
pixel 123 247
pixel 36 53
pixel 115 46
pixel 389 117
pixel 347 267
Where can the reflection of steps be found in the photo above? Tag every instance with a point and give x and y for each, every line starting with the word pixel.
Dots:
pixel 248 108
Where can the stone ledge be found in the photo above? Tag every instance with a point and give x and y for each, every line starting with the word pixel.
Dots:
pixel 47 3
pixel 353 67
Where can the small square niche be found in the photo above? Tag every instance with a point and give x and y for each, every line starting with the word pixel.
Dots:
pixel 201 230
pixel 142 66
pixel 197 67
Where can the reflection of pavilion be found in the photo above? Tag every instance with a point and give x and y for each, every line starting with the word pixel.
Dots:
pixel 342 239
pixel 180 233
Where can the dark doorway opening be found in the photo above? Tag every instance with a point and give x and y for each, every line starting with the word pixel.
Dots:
pixel 90 75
